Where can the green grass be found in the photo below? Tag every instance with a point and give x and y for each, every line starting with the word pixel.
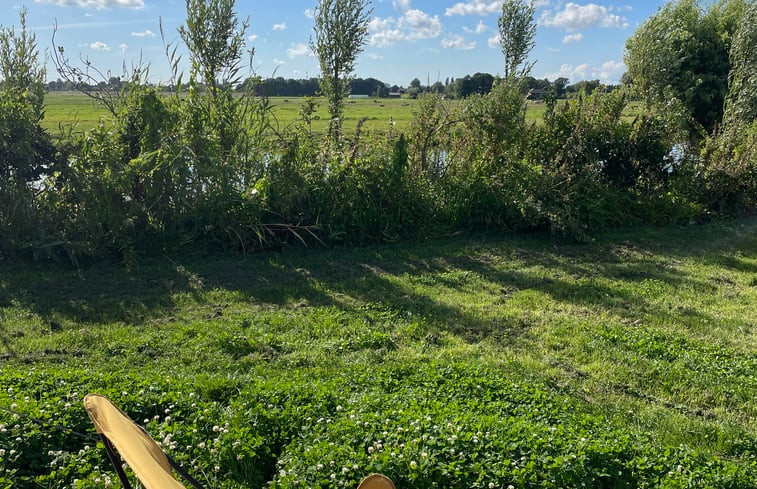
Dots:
pixel 72 109
pixel 66 111
pixel 465 362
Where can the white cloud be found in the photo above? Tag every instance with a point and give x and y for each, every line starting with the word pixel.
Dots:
pixel 575 16
pixel 147 33
pixel 279 62
pixel 99 46
pixel 401 5
pixel 373 56
pixel 280 27
pixel 96 3
pixel 420 25
pixel 474 7
pixel 609 72
pixel 377 24
pixel 457 42
pixel 309 13
pixel 479 29
pixel 299 50
pixel 493 42
pixel 572 73
pixel 386 38
pixel 252 37
pixel 413 25
pixel 572 38
pixel 123 48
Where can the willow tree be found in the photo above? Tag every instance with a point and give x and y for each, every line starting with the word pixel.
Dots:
pixel 25 147
pixel 741 103
pixel 215 40
pixel 682 52
pixel 340 33
pixel 516 36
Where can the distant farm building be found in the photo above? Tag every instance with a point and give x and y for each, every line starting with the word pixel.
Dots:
pixel 536 94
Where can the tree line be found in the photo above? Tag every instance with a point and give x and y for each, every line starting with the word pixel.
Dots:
pixel 457 88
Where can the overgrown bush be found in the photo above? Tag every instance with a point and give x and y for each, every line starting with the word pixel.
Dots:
pixel 729 173
pixel 26 150
pixel 600 169
pixel 207 171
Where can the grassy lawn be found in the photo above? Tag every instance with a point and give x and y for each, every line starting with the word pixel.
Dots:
pixel 67 109
pixel 466 362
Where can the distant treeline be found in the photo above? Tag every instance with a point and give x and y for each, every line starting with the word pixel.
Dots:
pixel 478 83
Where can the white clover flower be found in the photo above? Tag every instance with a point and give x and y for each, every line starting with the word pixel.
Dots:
pixel 332 477
pixel 413 464
pixel 370 449
pixel 319 467
pixel 492 485
pixel 424 454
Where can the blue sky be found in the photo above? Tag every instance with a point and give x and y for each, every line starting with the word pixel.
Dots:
pixel 428 39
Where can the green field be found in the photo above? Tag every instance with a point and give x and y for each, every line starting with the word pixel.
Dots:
pixel 67 109
pixel 467 362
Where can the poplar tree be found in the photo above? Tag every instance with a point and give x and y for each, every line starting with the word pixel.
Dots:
pixel 340 33
pixel 516 36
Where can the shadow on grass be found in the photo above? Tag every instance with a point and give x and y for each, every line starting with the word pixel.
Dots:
pixel 603 275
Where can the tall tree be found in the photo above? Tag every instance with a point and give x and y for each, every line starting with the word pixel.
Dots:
pixel 20 67
pixel 215 41
pixel 683 52
pixel 340 32
pixel 516 35
pixel 25 148
pixel 741 104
